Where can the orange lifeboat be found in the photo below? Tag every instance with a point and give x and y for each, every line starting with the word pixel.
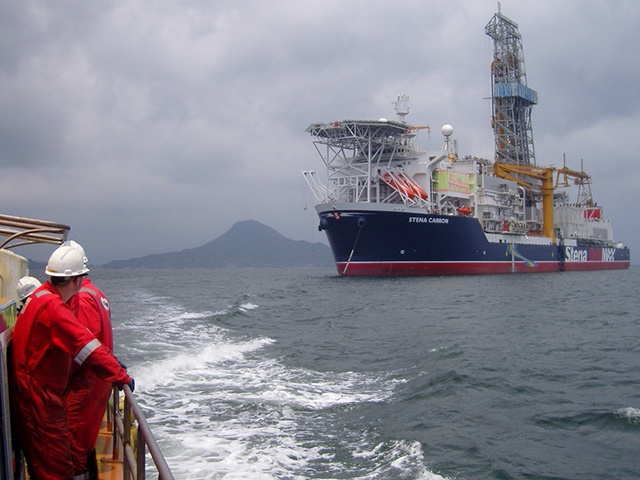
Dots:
pixel 417 189
pixel 399 185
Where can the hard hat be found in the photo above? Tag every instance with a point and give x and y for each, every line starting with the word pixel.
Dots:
pixel 26 286
pixel 66 261
pixel 78 247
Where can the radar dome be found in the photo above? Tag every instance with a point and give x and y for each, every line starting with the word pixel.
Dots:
pixel 383 120
pixel 447 130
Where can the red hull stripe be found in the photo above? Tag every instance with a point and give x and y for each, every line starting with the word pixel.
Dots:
pixel 586 266
pixel 355 269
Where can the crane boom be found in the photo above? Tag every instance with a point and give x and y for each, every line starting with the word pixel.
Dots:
pixel 509 171
pixel 582 179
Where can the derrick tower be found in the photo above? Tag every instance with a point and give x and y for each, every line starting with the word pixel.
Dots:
pixel 511 99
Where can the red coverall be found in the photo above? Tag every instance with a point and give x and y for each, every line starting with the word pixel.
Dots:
pixel 87 394
pixel 46 339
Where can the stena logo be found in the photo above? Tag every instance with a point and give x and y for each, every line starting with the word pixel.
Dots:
pixel 608 254
pixel 574 255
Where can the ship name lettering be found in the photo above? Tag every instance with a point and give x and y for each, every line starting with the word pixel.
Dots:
pixel 428 220
pixel 575 255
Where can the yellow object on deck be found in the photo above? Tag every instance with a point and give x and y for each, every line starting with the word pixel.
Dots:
pixel 545 175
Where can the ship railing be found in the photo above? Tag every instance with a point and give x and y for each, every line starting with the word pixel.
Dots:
pixel 354 188
pixel 131 432
pixel 24 231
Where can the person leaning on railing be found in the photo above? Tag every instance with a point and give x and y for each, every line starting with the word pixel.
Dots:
pixel 47 338
pixel 87 395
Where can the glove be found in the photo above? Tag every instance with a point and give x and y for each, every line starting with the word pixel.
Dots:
pixel 131 384
pixel 122 364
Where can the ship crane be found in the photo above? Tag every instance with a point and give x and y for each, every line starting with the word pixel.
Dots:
pixel 582 180
pixel 509 171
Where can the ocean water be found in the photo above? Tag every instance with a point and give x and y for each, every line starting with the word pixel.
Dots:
pixel 300 374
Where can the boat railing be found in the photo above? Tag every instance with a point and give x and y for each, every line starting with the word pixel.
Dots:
pixel 132 434
pixel 24 231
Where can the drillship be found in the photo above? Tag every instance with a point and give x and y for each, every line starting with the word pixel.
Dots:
pixel 390 208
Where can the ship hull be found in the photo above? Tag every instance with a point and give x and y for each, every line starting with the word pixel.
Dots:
pixel 391 240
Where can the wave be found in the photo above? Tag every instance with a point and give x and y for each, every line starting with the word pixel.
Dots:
pixel 228 410
pixel 184 366
pixel 630 414
pixel 621 418
pixel 396 459
pixel 233 310
pixel 222 406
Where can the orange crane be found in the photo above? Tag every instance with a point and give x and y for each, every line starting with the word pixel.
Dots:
pixel 582 179
pixel 509 171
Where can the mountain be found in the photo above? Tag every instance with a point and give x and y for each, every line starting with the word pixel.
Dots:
pixel 245 244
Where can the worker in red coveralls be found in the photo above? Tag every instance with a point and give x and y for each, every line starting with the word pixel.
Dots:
pixel 47 339
pixel 87 394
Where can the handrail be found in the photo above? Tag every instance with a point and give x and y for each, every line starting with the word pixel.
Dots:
pixel 26 231
pixel 134 465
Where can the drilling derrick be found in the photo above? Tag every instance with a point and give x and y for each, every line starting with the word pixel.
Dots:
pixel 512 100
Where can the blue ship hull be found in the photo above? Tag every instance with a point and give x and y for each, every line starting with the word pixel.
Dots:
pixel 378 242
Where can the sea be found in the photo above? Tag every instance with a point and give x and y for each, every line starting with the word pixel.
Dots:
pixel 300 374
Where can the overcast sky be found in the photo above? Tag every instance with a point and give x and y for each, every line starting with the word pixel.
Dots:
pixel 154 126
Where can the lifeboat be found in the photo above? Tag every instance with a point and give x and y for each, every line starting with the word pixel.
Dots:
pixel 417 189
pixel 399 185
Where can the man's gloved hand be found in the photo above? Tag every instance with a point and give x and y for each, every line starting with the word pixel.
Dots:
pixel 131 384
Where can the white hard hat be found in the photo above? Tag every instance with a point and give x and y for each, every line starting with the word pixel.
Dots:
pixel 26 286
pixel 78 247
pixel 66 261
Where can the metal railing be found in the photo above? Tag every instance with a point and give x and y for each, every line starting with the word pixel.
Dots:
pixel 24 231
pixel 133 434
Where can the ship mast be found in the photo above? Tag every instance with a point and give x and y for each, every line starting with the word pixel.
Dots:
pixel 512 100
pixel 402 107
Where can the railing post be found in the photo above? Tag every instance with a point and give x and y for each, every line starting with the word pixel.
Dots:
pixel 114 415
pixel 134 463
pixel 164 473
pixel 126 438
pixel 141 453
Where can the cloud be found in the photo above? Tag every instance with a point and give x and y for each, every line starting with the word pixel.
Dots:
pixel 154 126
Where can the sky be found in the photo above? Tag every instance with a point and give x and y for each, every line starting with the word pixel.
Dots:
pixel 153 126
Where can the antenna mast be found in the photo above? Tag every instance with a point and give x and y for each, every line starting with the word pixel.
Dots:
pixel 402 107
